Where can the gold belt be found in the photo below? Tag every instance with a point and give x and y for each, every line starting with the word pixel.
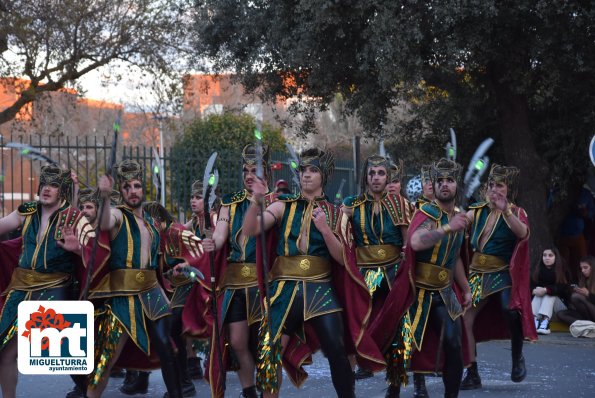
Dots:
pixel 487 263
pixel 129 280
pixel 239 275
pixel 300 267
pixel 377 255
pixel 431 277
pixel 29 280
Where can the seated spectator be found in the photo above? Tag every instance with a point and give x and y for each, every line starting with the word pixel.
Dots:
pixel 582 301
pixel 551 288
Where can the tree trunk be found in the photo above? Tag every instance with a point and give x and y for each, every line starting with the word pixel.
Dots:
pixel 520 151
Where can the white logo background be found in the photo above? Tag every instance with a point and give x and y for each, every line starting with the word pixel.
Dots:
pixel 79 358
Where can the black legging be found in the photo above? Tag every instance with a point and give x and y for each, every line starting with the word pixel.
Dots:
pixel 514 323
pixel 441 321
pixel 329 331
pixel 159 331
pixel 176 335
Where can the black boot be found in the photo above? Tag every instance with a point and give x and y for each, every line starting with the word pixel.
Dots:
pixel 195 368
pixel 188 389
pixel 362 373
pixel 393 391
pixel 249 392
pixel 471 381
pixel 76 392
pixel 138 385
pixel 80 387
pixel 130 377
pixel 519 371
pixel 419 386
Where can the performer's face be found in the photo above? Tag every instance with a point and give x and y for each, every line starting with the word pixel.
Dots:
pixel 197 204
pixel 49 194
pixel 310 178
pixel 445 189
pixel 132 193
pixel 497 187
pixel 249 176
pixel 586 269
pixel 89 210
pixel 427 189
pixel 394 188
pixel 549 258
pixel 377 179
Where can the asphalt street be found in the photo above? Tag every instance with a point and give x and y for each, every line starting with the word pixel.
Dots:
pixel 559 365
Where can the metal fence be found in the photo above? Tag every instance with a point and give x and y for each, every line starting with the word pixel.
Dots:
pixel 87 156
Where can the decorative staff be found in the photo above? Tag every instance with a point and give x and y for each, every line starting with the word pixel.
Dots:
pixel 108 172
pixel 210 180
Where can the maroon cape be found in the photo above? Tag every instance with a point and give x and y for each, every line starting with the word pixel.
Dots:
pixel 10 251
pixel 198 319
pixel 385 326
pixel 355 300
pixel 490 323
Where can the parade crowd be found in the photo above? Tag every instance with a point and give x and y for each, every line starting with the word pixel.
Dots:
pixel 266 277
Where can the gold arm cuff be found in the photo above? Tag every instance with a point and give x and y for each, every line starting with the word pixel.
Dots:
pixel 300 268
pixel 431 277
pixel 487 263
pixel 30 280
pixel 125 282
pixel 377 255
pixel 239 275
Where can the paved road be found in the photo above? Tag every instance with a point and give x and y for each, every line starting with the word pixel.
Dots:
pixel 558 366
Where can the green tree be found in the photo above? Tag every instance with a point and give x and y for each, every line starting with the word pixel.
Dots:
pixel 518 71
pixel 225 133
pixel 52 43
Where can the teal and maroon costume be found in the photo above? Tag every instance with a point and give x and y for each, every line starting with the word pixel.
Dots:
pixel 501 263
pixel 309 286
pixel 45 271
pixel 235 268
pixel 133 297
pixel 377 237
pixel 426 285
pixel 373 242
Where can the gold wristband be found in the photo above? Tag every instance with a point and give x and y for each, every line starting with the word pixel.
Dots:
pixel 446 228
pixel 508 212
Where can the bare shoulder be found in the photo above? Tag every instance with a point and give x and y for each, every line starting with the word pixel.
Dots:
pixel 277 208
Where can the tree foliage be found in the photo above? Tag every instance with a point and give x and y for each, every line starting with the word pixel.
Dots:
pixel 52 43
pixel 226 133
pixel 519 71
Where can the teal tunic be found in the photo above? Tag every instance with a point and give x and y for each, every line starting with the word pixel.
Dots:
pixel 43 256
pixel 318 295
pixel 131 309
pixel 241 252
pixel 500 243
pixel 443 254
pixel 382 228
